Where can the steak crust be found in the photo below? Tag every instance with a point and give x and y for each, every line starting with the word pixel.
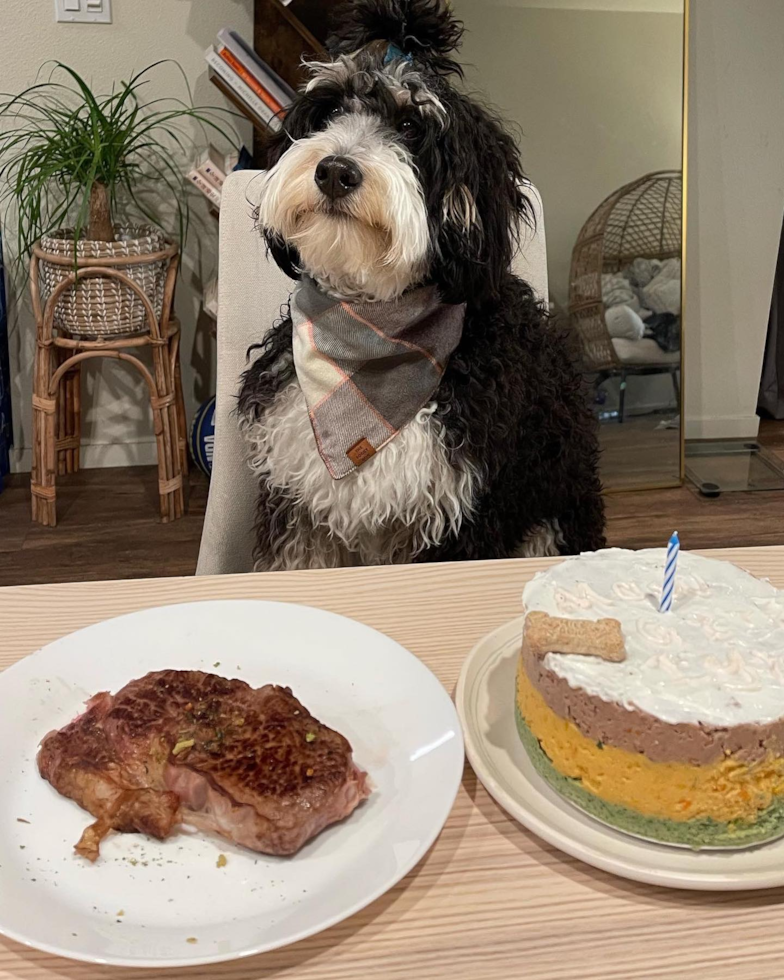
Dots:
pixel 252 765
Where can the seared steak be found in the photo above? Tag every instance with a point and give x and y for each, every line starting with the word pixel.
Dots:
pixel 183 746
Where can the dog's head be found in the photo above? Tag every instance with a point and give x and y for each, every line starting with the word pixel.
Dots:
pixel 384 174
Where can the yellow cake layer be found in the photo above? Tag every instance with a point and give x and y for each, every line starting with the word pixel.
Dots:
pixel 727 790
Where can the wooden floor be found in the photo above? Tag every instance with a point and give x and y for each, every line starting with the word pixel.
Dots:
pixel 640 452
pixel 108 527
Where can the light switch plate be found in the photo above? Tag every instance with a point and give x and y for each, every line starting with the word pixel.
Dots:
pixel 83 11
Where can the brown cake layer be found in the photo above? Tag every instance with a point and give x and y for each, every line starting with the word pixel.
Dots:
pixel 638 731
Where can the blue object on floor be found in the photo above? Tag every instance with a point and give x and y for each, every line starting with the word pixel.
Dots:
pixel 202 438
pixel 6 435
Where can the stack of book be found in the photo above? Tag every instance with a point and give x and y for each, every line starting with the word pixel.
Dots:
pixel 210 171
pixel 248 81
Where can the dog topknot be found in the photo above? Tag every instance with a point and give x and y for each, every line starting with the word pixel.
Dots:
pixel 425 30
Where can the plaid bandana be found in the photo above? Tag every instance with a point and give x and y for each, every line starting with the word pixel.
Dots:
pixel 366 369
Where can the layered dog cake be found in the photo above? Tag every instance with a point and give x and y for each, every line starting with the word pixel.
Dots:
pixel 669 726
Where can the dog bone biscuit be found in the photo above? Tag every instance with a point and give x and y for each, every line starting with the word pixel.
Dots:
pixel 552 634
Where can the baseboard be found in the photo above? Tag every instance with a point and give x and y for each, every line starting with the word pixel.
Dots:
pixel 722 427
pixel 98 455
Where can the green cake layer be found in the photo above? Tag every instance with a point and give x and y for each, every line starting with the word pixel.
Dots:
pixel 697 834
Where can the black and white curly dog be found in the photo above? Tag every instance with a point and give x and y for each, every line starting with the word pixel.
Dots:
pixel 384 177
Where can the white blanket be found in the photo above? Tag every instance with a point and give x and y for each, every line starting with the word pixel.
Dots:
pixel 644 287
pixel 663 292
pixel 617 291
pixel 622 321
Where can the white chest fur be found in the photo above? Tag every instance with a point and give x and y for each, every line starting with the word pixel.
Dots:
pixel 406 498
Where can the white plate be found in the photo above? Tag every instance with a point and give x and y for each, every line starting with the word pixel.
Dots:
pixel 485 703
pixel 397 716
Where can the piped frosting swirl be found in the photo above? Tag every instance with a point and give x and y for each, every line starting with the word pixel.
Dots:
pixel 717 659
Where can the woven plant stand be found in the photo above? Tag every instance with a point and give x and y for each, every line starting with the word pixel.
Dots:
pixel 62 347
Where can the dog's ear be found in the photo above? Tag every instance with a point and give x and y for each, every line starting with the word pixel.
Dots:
pixel 286 258
pixel 425 31
pixel 482 203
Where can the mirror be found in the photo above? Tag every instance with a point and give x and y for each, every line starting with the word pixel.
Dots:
pixel 596 89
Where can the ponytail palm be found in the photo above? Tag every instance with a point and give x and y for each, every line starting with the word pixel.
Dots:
pixel 71 157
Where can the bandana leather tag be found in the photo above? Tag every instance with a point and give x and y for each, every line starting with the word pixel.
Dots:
pixel 366 369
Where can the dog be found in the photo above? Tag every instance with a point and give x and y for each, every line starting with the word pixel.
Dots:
pixel 385 178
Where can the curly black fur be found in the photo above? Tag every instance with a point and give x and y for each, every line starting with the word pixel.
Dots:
pixel 424 29
pixel 511 401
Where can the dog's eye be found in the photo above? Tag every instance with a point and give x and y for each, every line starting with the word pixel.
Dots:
pixel 336 110
pixel 408 127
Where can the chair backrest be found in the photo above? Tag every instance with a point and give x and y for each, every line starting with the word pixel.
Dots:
pixel 251 291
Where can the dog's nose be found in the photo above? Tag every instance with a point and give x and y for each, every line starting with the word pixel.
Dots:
pixel 337 176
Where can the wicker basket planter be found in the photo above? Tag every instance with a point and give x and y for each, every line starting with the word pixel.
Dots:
pixel 134 310
pixel 102 306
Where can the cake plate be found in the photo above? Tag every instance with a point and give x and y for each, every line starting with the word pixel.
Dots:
pixel 485 703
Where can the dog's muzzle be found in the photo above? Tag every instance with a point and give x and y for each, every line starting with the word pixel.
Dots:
pixel 337 177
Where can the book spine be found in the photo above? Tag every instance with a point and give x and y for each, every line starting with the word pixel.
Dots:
pixel 241 90
pixel 274 84
pixel 281 94
pixel 251 81
pixel 212 173
pixel 211 192
pixel 231 95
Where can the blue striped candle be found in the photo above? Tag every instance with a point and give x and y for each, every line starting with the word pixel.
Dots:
pixel 670 567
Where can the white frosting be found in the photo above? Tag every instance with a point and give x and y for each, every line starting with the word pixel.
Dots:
pixel 716 658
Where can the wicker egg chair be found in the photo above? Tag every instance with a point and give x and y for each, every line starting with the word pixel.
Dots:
pixel 642 219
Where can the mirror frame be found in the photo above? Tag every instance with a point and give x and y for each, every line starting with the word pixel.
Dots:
pixel 669 484
pixel 684 230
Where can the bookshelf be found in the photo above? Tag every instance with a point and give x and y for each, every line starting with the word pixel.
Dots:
pixel 282 34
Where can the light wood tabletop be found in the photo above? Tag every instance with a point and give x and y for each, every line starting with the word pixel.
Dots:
pixel 490 901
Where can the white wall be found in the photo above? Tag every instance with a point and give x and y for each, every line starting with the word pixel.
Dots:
pixel 736 171
pixel 735 208
pixel 117 427
pixel 596 93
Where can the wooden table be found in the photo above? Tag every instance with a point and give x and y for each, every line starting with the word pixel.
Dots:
pixel 490 901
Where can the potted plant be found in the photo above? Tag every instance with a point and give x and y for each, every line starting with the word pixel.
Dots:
pixel 81 172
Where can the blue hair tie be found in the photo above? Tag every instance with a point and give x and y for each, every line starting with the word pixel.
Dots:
pixel 395 54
